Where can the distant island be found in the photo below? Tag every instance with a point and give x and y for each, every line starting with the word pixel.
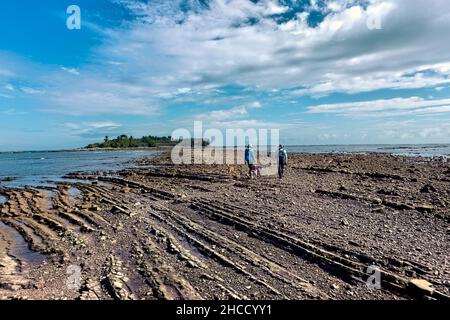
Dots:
pixel 125 142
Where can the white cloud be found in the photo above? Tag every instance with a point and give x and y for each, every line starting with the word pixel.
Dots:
pixel 218 46
pixel 379 105
pixel 5 73
pixel 435 132
pixel 245 124
pixel 273 7
pixel 91 129
pixel 29 90
pixel 425 131
pixel 73 71
pixel 9 87
pixel 12 112
pixel 390 107
pixel 167 54
pixel 94 102
pixel 228 114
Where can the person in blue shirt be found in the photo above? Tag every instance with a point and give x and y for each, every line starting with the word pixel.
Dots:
pixel 250 158
pixel 247 154
pixel 282 161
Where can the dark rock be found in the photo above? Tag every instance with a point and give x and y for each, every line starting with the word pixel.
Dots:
pixel 8 179
pixel 428 188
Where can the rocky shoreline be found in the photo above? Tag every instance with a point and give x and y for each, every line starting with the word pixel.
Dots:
pixel 164 231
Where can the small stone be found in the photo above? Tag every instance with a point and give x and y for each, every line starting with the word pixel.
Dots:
pixel 425 208
pixel 353 243
pixel 206 276
pixel 375 200
pixel 118 284
pixel 421 286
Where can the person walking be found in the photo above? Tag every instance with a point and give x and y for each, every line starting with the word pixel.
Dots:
pixel 282 161
pixel 247 154
pixel 250 158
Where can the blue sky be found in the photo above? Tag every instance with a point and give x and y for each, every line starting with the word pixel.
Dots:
pixel 320 71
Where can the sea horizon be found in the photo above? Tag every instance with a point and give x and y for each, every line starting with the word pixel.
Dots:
pixel 83 149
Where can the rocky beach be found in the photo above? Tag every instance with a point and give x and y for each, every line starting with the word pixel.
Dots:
pixel 164 231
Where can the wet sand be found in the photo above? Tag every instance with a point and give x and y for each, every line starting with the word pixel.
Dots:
pixel 167 231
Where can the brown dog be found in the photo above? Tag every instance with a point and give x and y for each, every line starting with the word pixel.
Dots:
pixel 255 170
pixel 231 169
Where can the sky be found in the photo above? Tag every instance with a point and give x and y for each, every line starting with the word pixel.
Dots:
pixel 323 72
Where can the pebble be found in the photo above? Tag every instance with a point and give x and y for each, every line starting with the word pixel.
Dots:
pixel 335 286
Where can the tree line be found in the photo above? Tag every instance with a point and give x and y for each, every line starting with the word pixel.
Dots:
pixel 124 141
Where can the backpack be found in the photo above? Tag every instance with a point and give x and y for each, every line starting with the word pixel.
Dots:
pixel 282 155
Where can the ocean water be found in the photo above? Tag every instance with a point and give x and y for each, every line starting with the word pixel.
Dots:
pixel 431 150
pixel 38 168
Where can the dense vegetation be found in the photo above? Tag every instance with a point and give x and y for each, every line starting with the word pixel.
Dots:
pixel 124 141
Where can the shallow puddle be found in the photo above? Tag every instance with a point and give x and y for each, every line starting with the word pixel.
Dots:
pixel 74 192
pixel 50 202
pixel 18 248
pixel 3 199
pixel 36 239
